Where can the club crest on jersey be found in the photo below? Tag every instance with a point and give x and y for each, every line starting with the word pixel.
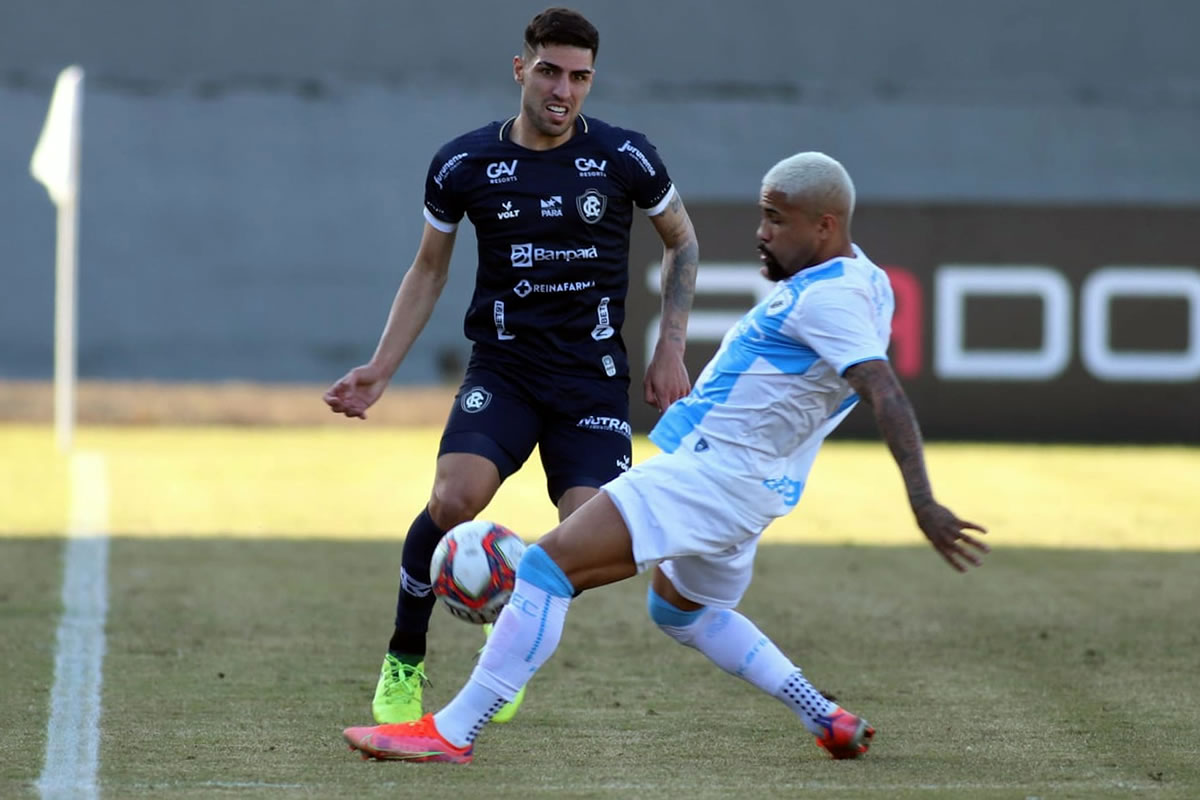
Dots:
pixel 552 206
pixel 502 171
pixel 475 400
pixel 781 301
pixel 591 206
pixel 590 168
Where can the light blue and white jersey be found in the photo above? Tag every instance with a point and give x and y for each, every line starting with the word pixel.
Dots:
pixel 774 390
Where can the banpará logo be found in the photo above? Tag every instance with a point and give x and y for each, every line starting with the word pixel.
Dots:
pixel 638 156
pixel 509 212
pixel 475 399
pixel 447 168
pixel 552 206
pixel 502 171
pixel 608 424
pixel 525 288
pixel 591 205
pixel 590 168
pixel 524 255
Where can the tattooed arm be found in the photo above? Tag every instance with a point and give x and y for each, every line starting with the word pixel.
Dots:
pixel 666 377
pixel 877 386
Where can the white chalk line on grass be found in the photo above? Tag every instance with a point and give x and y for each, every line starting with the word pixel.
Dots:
pixel 73 731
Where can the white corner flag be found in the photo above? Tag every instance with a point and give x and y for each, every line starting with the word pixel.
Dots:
pixel 56 164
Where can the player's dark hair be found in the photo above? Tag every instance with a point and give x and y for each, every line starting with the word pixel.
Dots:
pixel 563 26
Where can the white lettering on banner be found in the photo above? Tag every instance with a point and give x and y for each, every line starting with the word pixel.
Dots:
pixel 954 283
pixel 1107 283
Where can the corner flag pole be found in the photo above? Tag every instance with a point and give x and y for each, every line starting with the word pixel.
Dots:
pixel 55 164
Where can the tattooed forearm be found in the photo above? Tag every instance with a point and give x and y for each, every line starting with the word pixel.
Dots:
pixel 681 257
pixel 877 386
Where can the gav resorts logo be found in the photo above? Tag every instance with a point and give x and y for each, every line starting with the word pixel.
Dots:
pixel 502 171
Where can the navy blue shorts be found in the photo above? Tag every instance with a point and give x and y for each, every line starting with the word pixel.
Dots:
pixel 580 425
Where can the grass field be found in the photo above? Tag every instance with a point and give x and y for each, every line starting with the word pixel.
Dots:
pixel 251 583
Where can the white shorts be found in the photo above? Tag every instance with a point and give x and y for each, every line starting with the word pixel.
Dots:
pixel 700 526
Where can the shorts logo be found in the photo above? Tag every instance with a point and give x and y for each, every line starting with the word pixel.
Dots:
pixel 623 463
pixel 509 212
pixel 590 168
pixel 786 488
pixel 552 206
pixel 591 205
pixel 522 255
pixel 607 424
pixel 502 171
pixel 475 400
pixel 701 446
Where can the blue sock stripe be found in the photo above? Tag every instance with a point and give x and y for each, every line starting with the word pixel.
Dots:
pixel 663 613
pixel 537 640
pixel 539 569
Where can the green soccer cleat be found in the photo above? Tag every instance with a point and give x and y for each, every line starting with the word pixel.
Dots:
pixel 398 693
pixel 508 710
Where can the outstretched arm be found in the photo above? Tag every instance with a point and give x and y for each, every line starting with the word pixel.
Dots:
pixel 666 376
pixel 877 385
pixel 412 306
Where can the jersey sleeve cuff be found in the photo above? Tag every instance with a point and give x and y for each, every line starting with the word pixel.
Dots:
pixel 853 361
pixel 441 225
pixel 661 205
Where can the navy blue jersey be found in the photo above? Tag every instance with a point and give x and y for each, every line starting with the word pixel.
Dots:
pixel 553 232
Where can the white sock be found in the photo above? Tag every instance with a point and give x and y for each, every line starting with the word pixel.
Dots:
pixel 525 636
pixel 736 645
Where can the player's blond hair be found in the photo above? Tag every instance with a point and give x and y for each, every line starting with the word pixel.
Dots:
pixel 815 181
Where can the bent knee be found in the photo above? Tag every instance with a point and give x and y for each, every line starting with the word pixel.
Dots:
pixel 675 622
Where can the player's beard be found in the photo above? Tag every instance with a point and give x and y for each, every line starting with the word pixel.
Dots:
pixel 536 114
pixel 774 271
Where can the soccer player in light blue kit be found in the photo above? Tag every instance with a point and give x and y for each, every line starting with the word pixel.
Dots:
pixel 736 453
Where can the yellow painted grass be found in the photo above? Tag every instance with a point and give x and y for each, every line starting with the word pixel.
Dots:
pixel 361 482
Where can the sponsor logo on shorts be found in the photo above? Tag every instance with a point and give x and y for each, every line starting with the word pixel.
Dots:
pixel 637 155
pixel 476 399
pixel 701 446
pixel 610 424
pixel 447 168
pixel 623 463
pixel 591 205
pixel 786 488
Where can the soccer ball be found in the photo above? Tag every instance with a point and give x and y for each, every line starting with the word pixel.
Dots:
pixel 474 568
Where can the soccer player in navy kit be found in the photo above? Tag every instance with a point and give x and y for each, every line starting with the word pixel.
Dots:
pixel 551 194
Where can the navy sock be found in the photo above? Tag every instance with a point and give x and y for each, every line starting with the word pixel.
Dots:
pixel 415 599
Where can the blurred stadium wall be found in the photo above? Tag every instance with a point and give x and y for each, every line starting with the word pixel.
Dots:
pixel 252 177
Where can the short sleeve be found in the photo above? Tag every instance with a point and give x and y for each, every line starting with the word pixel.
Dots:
pixel 651 185
pixel 837 322
pixel 443 205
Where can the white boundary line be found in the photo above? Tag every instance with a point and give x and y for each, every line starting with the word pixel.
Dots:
pixel 73 731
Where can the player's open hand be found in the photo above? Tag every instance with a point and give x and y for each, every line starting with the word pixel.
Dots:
pixel 666 378
pixel 356 391
pixel 948 535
